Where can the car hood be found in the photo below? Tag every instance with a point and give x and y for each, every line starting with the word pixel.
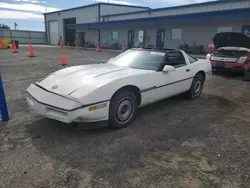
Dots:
pixel 231 39
pixel 68 80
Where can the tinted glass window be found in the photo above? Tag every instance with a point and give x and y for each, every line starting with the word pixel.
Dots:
pixel 114 35
pixel 191 59
pixel 146 60
pixel 175 59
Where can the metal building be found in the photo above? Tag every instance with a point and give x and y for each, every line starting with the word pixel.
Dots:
pixel 114 25
pixel 55 22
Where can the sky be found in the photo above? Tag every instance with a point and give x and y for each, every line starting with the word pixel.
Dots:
pixel 28 14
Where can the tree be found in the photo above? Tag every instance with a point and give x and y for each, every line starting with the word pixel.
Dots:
pixel 3 26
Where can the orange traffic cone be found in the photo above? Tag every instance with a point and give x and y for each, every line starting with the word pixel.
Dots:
pixel 31 51
pixel 123 48
pixel 61 44
pixel 14 49
pixel 98 48
pixel 63 59
pixel 1 46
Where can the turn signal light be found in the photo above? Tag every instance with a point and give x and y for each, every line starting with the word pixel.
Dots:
pixel 242 59
pixel 92 108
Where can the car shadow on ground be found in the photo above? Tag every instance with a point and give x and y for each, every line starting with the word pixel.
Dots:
pixel 175 113
pixel 152 111
pixel 175 131
pixel 160 128
pixel 230 75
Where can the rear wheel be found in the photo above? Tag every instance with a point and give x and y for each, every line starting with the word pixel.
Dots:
pixel 123 109
pixel 196 88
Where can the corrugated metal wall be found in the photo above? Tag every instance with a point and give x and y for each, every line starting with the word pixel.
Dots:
pixel 113 9
pixel 24 37
pixel 188 34
pixel 189 31
pixel 183 10
pixel 83 15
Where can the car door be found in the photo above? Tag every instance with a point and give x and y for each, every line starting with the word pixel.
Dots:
pixel 173 82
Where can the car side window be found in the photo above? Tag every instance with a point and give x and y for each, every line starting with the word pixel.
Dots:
pixel 191 59
pixel 175 59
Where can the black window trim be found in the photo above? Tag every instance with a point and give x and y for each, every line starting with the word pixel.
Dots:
pixel 160 69
pixel 192 57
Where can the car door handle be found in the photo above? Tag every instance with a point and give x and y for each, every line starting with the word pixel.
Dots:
pixel 187 70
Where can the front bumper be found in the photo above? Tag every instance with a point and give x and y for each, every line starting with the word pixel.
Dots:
pixel 63 109
pixel 227 66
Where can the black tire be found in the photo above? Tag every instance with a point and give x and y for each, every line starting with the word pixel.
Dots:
pixel 122 100
pixel 247 76
pixel 198 82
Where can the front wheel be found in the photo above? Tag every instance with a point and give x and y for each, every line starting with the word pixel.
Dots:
pixel 196 88
pixel 123 109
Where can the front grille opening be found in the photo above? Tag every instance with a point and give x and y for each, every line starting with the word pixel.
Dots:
pixel 230 53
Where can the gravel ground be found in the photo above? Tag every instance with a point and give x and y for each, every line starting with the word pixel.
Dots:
pixel 173 143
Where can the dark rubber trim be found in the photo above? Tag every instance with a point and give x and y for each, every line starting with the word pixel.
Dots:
pixel 62 109
pixel 148 89
pixel 156 87
pixel 56 93
pixel 174 82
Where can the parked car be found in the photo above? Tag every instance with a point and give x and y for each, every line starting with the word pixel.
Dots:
pixel 232 53
pixel 113 91
pixel 211 48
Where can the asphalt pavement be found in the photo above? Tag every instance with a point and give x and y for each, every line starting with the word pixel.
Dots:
pixel 174 143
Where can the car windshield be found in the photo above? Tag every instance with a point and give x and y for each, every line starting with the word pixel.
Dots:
pixel 139 59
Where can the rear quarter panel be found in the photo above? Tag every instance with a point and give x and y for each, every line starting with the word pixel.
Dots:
pixel 202 65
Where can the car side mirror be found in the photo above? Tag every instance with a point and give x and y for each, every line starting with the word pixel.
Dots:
pixel 168 68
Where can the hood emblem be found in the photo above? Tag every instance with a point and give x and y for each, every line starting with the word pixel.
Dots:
pixel 54 87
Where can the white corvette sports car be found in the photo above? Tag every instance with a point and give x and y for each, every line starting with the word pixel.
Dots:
pixel 113 91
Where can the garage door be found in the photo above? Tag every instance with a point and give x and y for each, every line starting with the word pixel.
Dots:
pixel 53 32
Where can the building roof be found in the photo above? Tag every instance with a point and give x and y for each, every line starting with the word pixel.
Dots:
pixel 174 7
pixel 219 16
pixel 96 4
